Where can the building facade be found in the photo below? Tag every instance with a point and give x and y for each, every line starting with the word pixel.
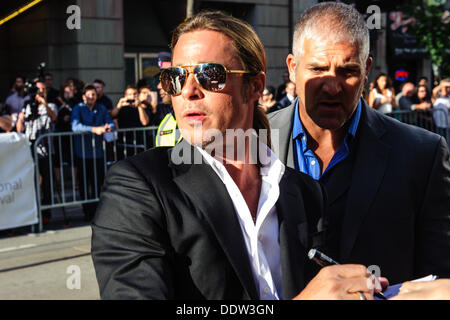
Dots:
pixel 118 41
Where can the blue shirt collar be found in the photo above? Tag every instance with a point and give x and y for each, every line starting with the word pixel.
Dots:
pixel 298 132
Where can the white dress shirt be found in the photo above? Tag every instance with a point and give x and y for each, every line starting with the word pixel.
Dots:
pixel 261 238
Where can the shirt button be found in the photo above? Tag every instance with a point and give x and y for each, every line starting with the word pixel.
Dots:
pixel 313 162
pixel 266 290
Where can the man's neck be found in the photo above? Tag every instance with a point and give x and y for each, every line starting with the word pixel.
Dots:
pixel 323 142
pixel 246 176
pixel 248 180
pixel 91 107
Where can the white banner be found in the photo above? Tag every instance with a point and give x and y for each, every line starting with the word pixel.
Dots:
pixel 17 191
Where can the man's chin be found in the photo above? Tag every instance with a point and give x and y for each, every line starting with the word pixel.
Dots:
pixel 329 123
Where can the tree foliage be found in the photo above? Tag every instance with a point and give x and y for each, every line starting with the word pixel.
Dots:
pixel 432 29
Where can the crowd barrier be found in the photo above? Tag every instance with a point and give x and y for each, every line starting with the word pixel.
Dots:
pixel 64 190
pixel 434 120
pixel 64 164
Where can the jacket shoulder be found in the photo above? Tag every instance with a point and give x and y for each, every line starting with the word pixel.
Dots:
pixel 151 163
pixel 281 115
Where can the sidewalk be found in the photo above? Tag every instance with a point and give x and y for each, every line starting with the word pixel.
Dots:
pixel 39 266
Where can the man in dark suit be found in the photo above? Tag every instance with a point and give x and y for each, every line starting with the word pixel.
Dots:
pixel 388 184
pixel 193 222
pixel 287 100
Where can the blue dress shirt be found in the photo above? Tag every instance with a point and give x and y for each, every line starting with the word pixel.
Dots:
pixel 305 160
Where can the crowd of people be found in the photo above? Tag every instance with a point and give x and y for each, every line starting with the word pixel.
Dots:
pixel 383 98
pixel 36 108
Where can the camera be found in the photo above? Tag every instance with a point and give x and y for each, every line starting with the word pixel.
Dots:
pixel 130 101
pixel 32 90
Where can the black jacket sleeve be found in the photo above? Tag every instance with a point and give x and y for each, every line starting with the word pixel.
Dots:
pixel 131 250
pixel 433 222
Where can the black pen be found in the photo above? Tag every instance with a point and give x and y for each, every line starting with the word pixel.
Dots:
pixel 323 260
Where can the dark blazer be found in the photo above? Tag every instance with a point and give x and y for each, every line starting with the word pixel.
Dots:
pixel 397 206
pixel 169 231
pixel 284 103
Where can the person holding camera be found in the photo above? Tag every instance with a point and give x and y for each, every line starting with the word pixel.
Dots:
pixel 132 112
pixel 37 118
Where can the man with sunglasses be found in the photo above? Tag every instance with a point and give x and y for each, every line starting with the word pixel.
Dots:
pixel 232 225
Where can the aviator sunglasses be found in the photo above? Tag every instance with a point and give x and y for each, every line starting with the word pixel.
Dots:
pixel 210 76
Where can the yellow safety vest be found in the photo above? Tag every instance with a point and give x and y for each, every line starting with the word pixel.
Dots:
pixel 167 135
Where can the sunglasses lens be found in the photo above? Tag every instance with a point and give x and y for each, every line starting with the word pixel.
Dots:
pixel 172 80
pixel 211 76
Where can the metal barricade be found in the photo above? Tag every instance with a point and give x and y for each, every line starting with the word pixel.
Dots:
pixel 434 120
pixel 88 165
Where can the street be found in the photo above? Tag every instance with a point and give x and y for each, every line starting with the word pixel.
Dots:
pixel 53 265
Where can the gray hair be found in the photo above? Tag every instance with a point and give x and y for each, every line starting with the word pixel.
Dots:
pixel 339 21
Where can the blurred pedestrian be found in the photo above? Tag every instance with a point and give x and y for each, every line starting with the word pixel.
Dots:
pixel 441 107
pixel 167 134
pixel 102 97
pixel 439 90
pixel 423 81
pixel 38 117
pixel 15 101
pixel 131 112
pixel 89 116
pixel 64 144
pixel 52 93
pixel 289 98
pixel 267 101
pixel 382 96
pixel 5 119
pixel 424 101
pixel 77 87
pixel 281 90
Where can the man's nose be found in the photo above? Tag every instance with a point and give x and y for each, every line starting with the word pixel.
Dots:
pixel 332 85
pixel 191 89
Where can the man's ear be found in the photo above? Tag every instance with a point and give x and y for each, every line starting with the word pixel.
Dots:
pixel 291 64
pixel 257 85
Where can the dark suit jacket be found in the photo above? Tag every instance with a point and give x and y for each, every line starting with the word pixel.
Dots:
pixel 283 103
pixel 397 210
pixel 169 231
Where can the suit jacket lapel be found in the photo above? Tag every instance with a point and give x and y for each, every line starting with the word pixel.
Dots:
pixel 369 168
pixel 281 134
pixel 293 237
pixel 339 181
pixel 209 195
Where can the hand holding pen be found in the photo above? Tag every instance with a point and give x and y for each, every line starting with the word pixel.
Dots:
pixel 323 260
